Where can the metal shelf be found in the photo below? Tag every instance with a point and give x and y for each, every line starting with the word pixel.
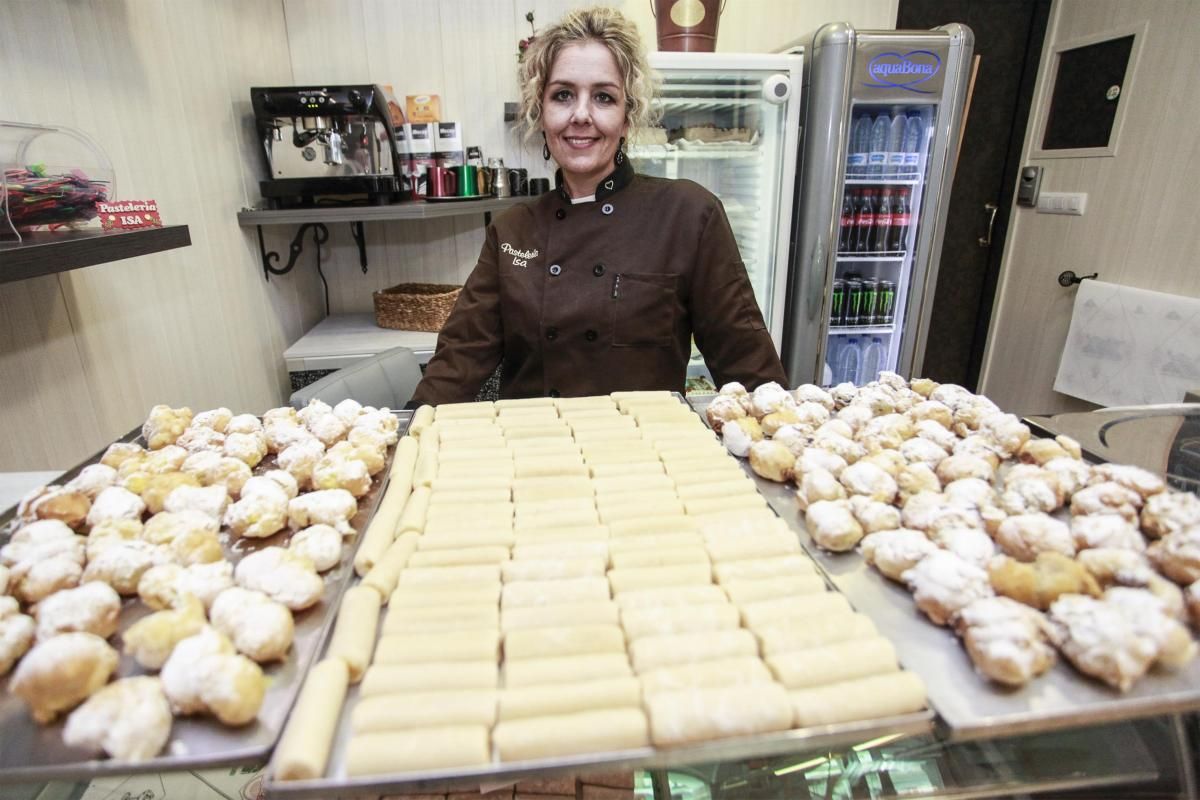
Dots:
pixel 883 180
pixel 48 252
pixel 851 330
pixel 397 211
pixel 860 259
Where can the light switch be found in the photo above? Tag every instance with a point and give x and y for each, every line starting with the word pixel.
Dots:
pixel 1072 203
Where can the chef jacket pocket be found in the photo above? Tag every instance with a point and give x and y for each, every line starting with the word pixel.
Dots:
pixel 643 309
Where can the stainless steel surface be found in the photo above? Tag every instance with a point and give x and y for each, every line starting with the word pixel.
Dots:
pixel 31 752
pixel 413 210
pixel 970 706
pixel 802 740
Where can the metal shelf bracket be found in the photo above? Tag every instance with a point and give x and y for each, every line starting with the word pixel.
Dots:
pixel 270 258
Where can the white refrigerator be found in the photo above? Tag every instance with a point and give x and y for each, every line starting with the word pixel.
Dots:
pixel 882 115
pixel 731 122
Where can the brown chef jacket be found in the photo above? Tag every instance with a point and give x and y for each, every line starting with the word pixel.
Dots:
pixel 604 296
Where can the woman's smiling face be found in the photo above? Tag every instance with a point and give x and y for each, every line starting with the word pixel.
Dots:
pixel 583 114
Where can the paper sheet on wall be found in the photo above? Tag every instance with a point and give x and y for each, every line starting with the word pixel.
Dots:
pixel 1129 346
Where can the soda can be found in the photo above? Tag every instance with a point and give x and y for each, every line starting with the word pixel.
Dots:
pixel 870 298
pixel 854 302
pixel 837 312
pixel 885 306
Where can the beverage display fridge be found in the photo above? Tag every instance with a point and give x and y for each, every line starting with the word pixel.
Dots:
pixel 882 112
pixel 731 122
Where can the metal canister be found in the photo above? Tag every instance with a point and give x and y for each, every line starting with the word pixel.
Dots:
pixel 854 301
pixel 885 308
pixel 837 314
pixel 500 185
pixel 869 301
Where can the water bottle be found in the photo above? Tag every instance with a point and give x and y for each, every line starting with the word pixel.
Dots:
pixel 877 160
pixel 872 360
pixel 860 146
pixel 832 352
pixel 849 362
pixel 895 146
pixel 914 140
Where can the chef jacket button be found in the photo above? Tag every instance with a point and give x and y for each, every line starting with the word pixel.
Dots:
pixel 553 393
pixel 598 270
pixel 560 214
pixel 555 269
pixel 591 336
pixel 551 334
pixel 607 208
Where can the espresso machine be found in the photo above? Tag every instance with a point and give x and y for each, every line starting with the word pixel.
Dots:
pixel 326 143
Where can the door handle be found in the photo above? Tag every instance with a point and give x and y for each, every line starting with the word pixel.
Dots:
pixel 986 239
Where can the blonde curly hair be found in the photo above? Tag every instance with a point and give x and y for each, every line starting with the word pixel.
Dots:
pixel 600 24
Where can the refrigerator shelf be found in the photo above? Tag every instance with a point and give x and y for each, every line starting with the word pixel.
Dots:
pixel 869 258
pixel 883 181
pixel 851 330
pixel 653 152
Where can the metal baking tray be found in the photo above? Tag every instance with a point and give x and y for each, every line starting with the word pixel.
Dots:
pixel 970 706
pixel 31 752
pixel 804 740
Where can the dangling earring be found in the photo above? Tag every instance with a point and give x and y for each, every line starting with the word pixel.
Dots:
pixel 620 157
pixel 545 148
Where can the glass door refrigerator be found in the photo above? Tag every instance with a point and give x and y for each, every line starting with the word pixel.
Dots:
pixel 731 122
pixel 882 114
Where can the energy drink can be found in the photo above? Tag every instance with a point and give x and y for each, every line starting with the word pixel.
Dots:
pixel 885 306
pixel 869 301
pixel 854 302
pixel 837 314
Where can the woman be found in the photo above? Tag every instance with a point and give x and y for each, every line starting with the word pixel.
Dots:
pixel 600 285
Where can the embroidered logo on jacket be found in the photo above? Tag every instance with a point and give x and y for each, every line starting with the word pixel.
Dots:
pixel 520 257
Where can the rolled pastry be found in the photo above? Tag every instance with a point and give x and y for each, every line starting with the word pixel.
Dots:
pixel 458 411
pixel 426 469
pixel 763 568
pixel 652 652
pixel 696 715
pixel 800 634
pixel 481 644
pixel 764 612
pixel 413 516
pixel 422 418
pixel 386 572
pixel 429 676
pixel 427 748
pixel 459 558
pixel 475 460
pixel 864 698
pixel 706 475
pixel 658 540
pixel 671 596
pixel 767 544
pixel 382 530
pixel 570 533
pixel 550 569
pixel 404 462
pixel 630 579
pixel 751 590
pixel 471 574
pixel 612 433
pixel 601 401
pixel 524 403
pixel 710 505
pixel 304 746
pixel 833 663
pixel 423 596
pixel 658 557
pixel 639 622
pixel 722 672
pixel 572 640
pixel 666 504
pixel 663 523
pixel 354 632
pixel 720 488
pixel 562 518
pixel 541 551
pixel 567 698
pixel 604 613
pixel 525 467
pixel 602 468
pixel 565 669
pixel 554 592
pixel 479 495
pixel 494 514
pixel 424 619
pixel 601 731
pixel 443 540
pixel 632 484
pixel 544 488
pixel 398 712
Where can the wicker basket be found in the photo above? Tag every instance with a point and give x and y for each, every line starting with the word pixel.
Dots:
pixel 415 306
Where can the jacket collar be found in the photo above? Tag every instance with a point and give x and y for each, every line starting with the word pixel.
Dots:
pixel 610 184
